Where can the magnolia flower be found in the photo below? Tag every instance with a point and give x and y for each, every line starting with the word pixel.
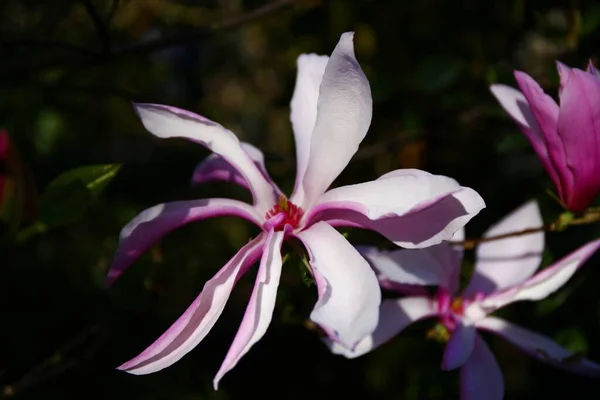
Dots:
pixel 566 137
pixel 330 112
pixel 504 274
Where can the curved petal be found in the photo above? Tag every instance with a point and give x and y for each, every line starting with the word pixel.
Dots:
pixel 545 282
pixel 460 345
pixel 436 265
pixel 579 131
pixel 480 376
pixel 343 117
pixel 394 317
pixel 412 208
pixel 539 346
pixel 216 168
pixel 259 312
pixel 155 222
pixel 508 262
pixel 516 105
pixel 168 122
pixel 199 318
pixel 303 115
pixel 546 111
pixel 349 294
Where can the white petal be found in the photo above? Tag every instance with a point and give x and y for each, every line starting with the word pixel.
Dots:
pixel 412 208
pixel 199 318
pixel 437 265
pixel 311 68
pixel 545 282
pixel 507 262
pixel 394 317
pixel 260 307
pixel 168 122
pixel 349 294
pixel 343 117
pixel 539 346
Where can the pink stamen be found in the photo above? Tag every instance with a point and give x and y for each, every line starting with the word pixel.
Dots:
pixel 282 214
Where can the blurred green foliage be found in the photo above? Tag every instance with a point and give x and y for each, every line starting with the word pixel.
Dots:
pixel 69 72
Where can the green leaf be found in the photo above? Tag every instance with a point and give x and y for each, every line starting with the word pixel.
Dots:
pixel 68 196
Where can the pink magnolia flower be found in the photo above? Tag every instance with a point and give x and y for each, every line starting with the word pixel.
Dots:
pixel 566 137
pixel 330 112
pixel 504 274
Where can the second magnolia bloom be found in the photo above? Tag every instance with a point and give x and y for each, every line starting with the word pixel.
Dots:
pixel 330 112
pixel 565 136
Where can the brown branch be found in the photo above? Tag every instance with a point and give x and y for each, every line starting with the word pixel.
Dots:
pixel 470 244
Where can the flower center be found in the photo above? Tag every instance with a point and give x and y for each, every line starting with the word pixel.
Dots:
pixel 283 213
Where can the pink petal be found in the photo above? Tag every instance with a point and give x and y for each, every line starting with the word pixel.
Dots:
pixel 199 318
pixel 216 168
pixel 545 282
pixel 155 222
pixel 480 376
pixel 394 317
pixel 545 110
pixel 349 294
pixel 539 346
pixel 516 105
pixel 311 68
pixel 579 130
pixel 343 117
pixel 508 262
pixel 437 265
pixel 410 207
pixel 259 312
pixel 591 69
pixel 168 122
pixel 460 345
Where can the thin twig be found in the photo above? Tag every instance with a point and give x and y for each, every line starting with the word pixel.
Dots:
pixel 101 29
pixel 470 244
pixel 157 44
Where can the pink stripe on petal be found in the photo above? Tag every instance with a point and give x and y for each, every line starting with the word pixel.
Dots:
pixel 170 122
pixel 543 283
pixel 419 227
pixel 259 312
pixel 199 318
pixel 480 376
pixel 539 346
pixel 155 222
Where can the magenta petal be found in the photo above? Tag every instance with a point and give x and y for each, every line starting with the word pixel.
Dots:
pixel 545 110
pixel 480 376
pixel 539 346
pixel 459 346
pixel 579 130
pixel 155 222
pixel 516 105
pixel 199 318
pixel 260 307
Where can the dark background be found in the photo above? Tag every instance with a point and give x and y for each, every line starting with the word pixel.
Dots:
pixel 68 72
